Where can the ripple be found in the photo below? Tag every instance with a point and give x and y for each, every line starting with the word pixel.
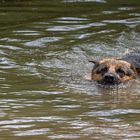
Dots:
pixel 124 131
pixel 42 41
pixel 7 63
pixel 113 112
pixel 68 20
pixel 67 107
pixel 99 1
pixel 110 12
pixel 24 120
pixel 2 114
pixel 134 14
pixel 17 126
pixel 126 8
pixel 15 121
pixel 65 136
pixel 72 19
pixel 26 32
pixel 124 21
pixel 32 132
pixel 10 47
pixel 74 27
pixel 46 92
pixel 7 39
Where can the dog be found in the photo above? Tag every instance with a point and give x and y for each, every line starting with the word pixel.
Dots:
pixel 114 71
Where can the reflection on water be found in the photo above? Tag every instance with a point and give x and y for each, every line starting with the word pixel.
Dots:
pixel 46 91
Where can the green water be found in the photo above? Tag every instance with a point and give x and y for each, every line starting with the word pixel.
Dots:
pixel 45 91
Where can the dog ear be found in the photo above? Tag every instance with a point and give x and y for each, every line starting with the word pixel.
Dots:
pixel 119 59
pixel 94 62
pixel 133 68
pixel 138 70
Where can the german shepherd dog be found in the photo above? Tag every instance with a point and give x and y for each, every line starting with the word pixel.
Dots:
pixel 113 71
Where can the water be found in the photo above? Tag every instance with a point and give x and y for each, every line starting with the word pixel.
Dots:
pixel 45 91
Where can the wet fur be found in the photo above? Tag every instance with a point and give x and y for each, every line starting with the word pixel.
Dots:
pixel 125 69
pixel 134 59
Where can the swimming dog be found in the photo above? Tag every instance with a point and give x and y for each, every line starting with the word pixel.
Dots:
pixel 114 71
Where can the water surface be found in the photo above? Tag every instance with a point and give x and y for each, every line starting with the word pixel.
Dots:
pixel 45 91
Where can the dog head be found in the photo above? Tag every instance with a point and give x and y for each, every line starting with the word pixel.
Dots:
pixel 113 71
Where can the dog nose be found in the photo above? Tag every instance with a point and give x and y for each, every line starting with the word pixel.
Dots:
pixel 109 78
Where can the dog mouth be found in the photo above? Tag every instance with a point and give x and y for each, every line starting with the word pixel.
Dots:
pixel 109 80
pixel 107 83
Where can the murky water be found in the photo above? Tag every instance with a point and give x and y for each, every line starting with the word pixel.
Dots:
pixel 45 46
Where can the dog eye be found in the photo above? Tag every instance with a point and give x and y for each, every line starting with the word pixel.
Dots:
pixel 120 71
pixel 103 70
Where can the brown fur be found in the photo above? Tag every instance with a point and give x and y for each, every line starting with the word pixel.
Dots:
pixel 120 69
